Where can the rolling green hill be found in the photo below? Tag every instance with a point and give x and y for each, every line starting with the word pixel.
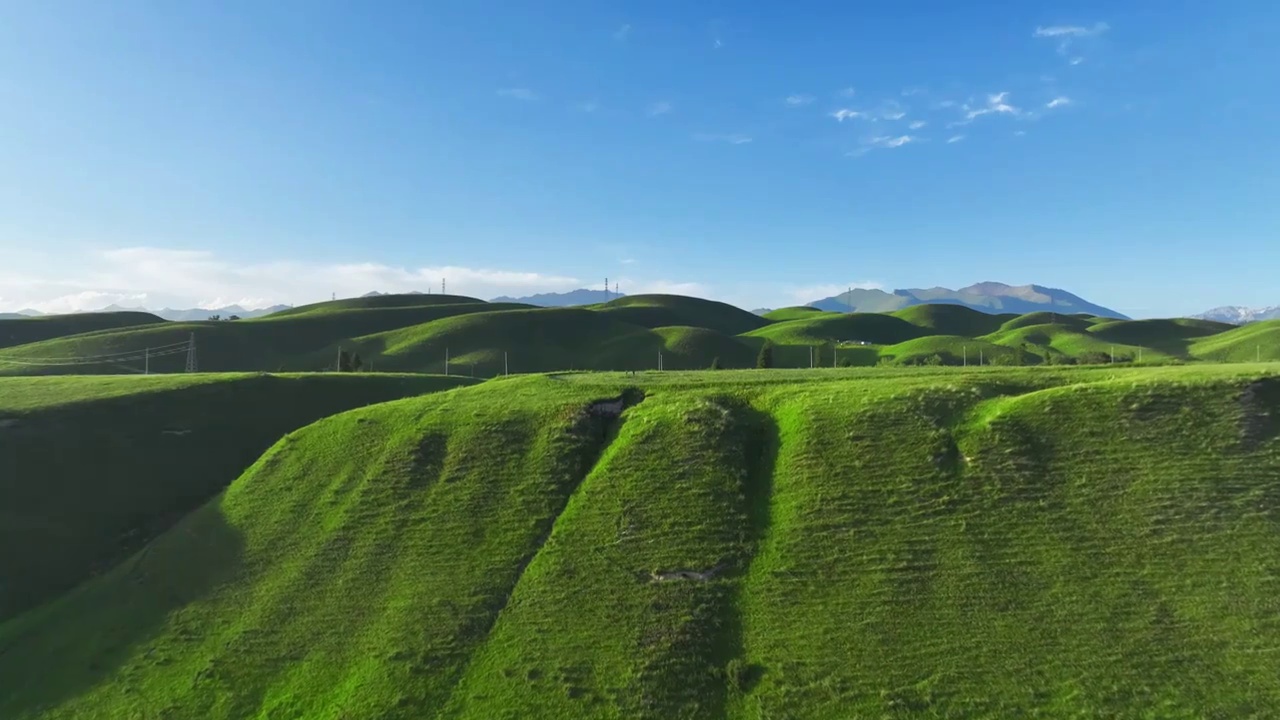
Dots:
pixel 413 333
pixel 1089 542
pixel 654 311
pixel 21 331
pixel 94 467
pixel 1255 341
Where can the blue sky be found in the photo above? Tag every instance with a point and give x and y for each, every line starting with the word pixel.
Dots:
pixel 176 153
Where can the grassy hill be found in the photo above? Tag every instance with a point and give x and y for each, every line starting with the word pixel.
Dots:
pixel 94 467
pixel 412 333
pixel 861 543
pixel 1255 341
pixel 20 331
pixel 654 311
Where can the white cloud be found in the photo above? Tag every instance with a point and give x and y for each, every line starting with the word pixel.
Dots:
pixel 1054 31
pixel 518 93
pixel 659 108
pixel 909 92
pixel 664 287
pixel 162 277
pixel 1019 133
pixel 796 100
pixel 891 110
pixel 732 138
pixel 847 92
pixel 995 104
pixel 917 124
pixel 847 114
pixel 1076 60
pixel 588 106
pixel 889 141
pixel 954 139
pixel 622 33
pixel 1058 102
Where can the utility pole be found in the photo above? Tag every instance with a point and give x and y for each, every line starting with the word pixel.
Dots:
pixel 1259 354
pixel 504 364
pixel 337 364
pixel 810 357
pixel 1113 354
pixel 1139 353
pixel 446 361
pixel 848 298
pixel 965 350
pixel 979 357
pixel 659 360
pixel 146 363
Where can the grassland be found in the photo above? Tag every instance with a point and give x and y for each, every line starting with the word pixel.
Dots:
pixel 21 331
pixel 866 542
pixel 95 467
pixel 417 333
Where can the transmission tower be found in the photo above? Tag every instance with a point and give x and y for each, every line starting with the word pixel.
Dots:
pixel 191 354
pixel 442 286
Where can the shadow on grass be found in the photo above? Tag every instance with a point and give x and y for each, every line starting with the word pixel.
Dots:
pixel 91 636
pixel 740 676
pixel 86 485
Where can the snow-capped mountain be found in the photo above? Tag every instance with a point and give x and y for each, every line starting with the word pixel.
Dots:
pixel 1240 315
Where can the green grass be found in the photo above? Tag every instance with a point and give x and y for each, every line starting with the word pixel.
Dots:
pixel 872 328
pixel 881 542
pixel 377 302
pixel 21 331
pixel 654 311
pixel 94 467
pixel 1256 341
pixel 953 319
pixel 412 333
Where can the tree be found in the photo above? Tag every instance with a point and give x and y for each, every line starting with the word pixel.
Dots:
pixel 356 363
pixel 234 317
pixel 764 360
pixel 215 318
pixel 715 363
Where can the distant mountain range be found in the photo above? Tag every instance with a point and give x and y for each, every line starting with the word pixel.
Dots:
pixel 989 297
pixel 190 315
pixel 1240 315
pixel 566 299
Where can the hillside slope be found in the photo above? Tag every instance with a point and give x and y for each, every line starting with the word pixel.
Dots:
pixel 928 543
pixel 94 467
pixel 24 330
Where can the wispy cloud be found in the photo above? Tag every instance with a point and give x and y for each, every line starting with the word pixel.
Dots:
pixel 661 107
pixel 995 105
pixel 889 141
pixel 1019 133
pixel 797 100
pixel 917 124
pixel 1057 31
pixel 955 139
pixel 622 33
pixel 1058 102
pixel 732 138
pixel 587 106
pixel 891 110
pixel 847 92
pixel 518 93
pixel 1067 35
pixel 159 277
pixel 912 91
pixel 847 114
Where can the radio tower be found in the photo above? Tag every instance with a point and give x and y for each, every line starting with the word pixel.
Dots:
pixel 191 354
pixel 442 286
pixel 606 289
